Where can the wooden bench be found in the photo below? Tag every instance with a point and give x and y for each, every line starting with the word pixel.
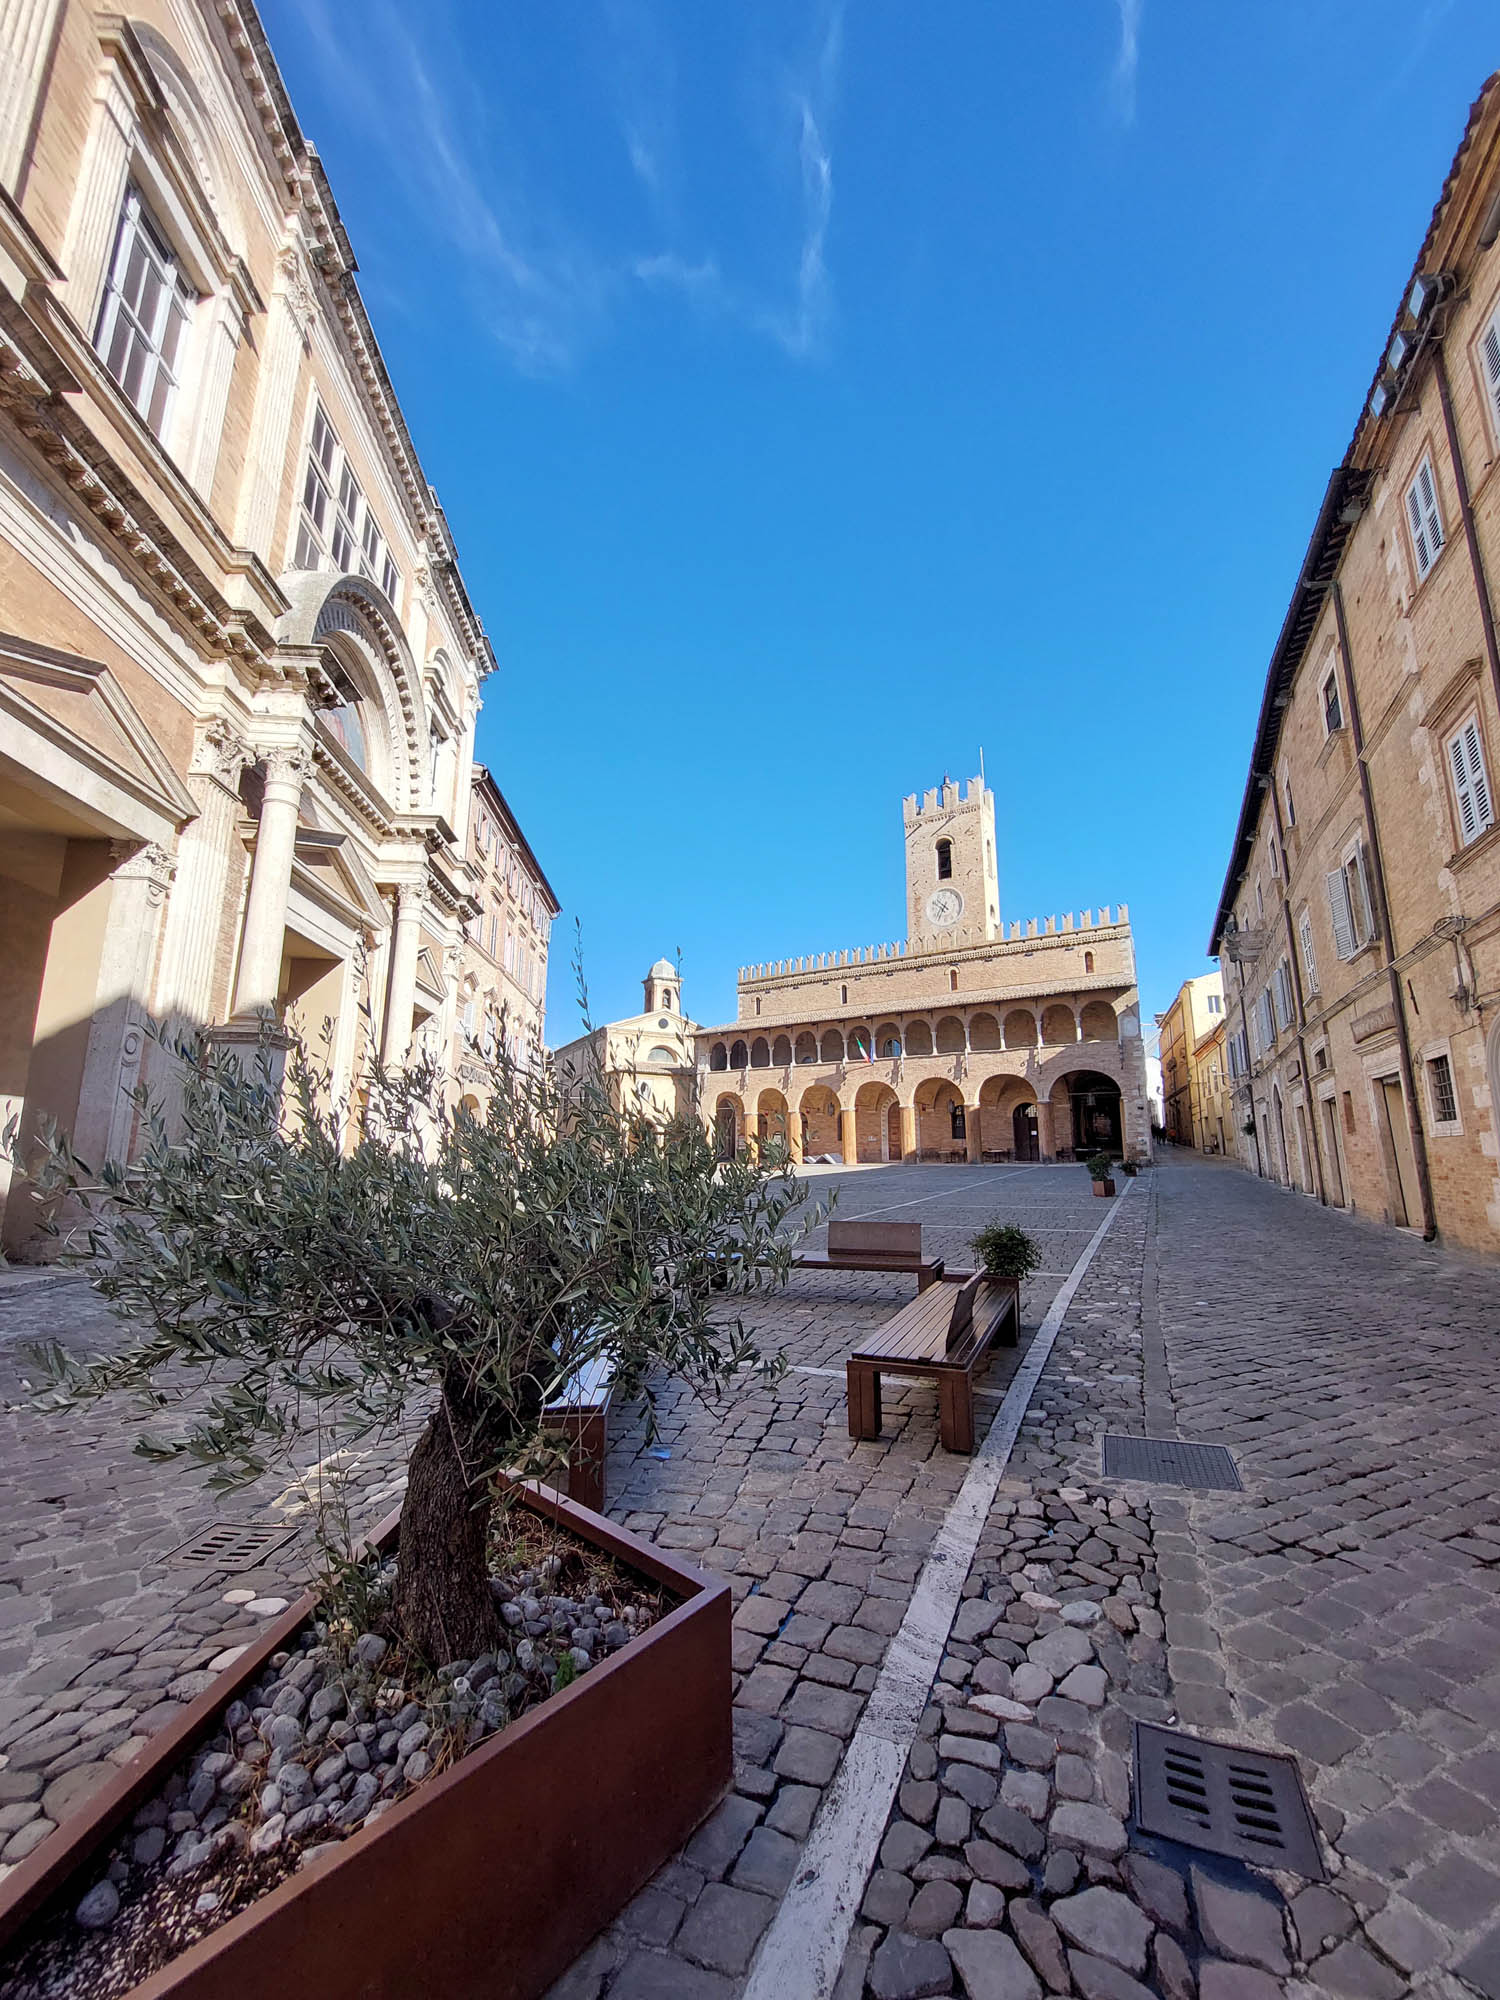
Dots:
pixel 581 1415
pixel 943 1334
pixel 875 1246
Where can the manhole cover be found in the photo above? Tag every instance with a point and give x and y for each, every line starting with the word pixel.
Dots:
pixel 1226 1798
pixel 1170 1462
pixel 229 1545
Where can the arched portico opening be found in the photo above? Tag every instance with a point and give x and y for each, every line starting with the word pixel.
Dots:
pixel 1020 1028
pixel 1059 1026
pixel 807 1047
pixel 739 1056
pixel 918 1038
pixel 771 1125
pixel 873 1104
pixel 1007 1119
pixel 942 1125
pixel 950 1036
pixel 1087 1114
pixel 888 1039
pixel 832 1049
pixel 729 1124
pixel 818 1116
pixel 760 1053
pixel 781 1052
pixel 718 1057
pixel 984 1032
pixel 1100 1023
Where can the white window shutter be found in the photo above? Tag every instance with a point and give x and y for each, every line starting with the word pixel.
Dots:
pixel 1479 784
pixel 1309 955
pixel 1489 349
pixel 1338 909
pixel 1423 517
pixel 1364 916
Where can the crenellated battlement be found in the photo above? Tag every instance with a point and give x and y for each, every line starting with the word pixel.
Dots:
pixel 942 798
pixel 1023 932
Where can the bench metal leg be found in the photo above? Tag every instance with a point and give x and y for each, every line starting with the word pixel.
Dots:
pixel 956 1410
pixel 864 1399
pixel 1010 1325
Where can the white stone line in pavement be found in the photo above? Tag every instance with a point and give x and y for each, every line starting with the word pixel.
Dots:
pixel 802 1952
pixel 946 1195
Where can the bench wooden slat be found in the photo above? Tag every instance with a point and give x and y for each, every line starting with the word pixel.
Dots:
pixel 899 1239
pixel 943 1334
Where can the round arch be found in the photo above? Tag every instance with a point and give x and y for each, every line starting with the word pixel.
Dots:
pixel 877 1123
pixel 949 1039
pixel 781 1051
pixel 832 1047
pixel 941 1120
pixel 728 1124
pixel 718 1056
pixel 1099 1022
pixel 918 1038
pixel 807 1047
pixel 760 1053
pixel 771 1122
pixel 1020 1028
pixel 984 1032
pixel 1088 1113
pixel 1008 1126
pixel 1059 1026
pixel 321 608
pixel 818 1114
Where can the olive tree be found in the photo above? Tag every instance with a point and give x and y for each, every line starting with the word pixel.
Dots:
pixel 325 1267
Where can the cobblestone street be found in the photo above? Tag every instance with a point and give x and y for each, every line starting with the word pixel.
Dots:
pixel 939 1660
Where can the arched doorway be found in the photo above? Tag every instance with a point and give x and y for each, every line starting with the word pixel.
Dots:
pixel 771 1125
pixel 942 1127
pixel 1023 1127
pixel 819 1114
pixel 872 1108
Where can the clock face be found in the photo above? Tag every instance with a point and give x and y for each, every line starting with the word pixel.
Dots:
pixel 944 908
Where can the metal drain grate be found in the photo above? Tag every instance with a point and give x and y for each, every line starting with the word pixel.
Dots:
pixel 229 1545
pixel 1170 1462
pixel 1226 1798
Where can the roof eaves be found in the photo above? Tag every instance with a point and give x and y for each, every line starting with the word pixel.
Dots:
pixel 1343 503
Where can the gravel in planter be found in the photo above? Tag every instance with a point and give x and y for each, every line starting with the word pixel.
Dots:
pixel 336 1731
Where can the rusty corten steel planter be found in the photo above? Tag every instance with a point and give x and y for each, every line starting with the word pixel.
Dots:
pixel 488 1880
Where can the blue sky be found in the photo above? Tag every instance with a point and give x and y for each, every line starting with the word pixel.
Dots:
pixel 819 392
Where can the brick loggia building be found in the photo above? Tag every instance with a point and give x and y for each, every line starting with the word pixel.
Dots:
pixel 239 670
pixel 972 1040
pixel 1360 919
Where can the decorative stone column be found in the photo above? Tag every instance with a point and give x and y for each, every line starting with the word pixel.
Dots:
pixel 221 341
pixel 112 1063
pixel 259 985
pixel 848 1136
pixel 1044 1142
pixel 401 999
pixel 972 1135
pixel 908 1131
pixel 195 909
pixel 26 28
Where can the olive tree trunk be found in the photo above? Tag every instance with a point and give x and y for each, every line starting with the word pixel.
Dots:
pixel 444 1607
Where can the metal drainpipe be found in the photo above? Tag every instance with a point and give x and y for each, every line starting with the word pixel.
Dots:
pixel 1387 936
pixel 1291 958
pixel 1466 514
pixel 1249 1074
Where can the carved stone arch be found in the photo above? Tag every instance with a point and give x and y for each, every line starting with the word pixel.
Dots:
pixel 193 123
pixel 320 605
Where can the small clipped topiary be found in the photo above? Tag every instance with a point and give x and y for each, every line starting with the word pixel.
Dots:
pixel 1101 1167
pixel 1006 1251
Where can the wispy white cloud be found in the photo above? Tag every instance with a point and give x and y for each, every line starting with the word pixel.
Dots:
pixel 544 289
pixel 1122 78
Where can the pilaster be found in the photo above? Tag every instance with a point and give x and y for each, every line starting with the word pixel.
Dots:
pixel 26 28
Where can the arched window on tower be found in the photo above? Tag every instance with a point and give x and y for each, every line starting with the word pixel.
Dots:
pixel 944 859
pixel 1088 961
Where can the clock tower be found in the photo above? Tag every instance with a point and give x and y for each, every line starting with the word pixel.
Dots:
pixel 952 886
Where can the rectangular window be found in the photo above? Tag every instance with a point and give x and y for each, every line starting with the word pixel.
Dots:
pixel 1309 956
pixel 146 309
pixel 340 532
pixel 1267 1020
pixel 1333 708
pixel 1471 785
pixel 1291 810
pixel 1275 857
pixel 1215 1004
pixel 1489 356
pixel 1423 518
pixel 390 579
pixel 1339 910
pixel 1440 1084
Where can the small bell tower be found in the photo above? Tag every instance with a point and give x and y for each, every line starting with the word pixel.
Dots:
pixel 663 989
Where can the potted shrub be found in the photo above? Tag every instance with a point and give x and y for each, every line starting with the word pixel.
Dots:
pixel 326 1275
pixel 1101 1173
pixel 1008 1255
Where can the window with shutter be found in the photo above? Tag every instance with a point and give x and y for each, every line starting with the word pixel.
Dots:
pixel 1333 708
pixel 1423 518
pixel 1471 785
pixel 1285 1009
pixel 1339 911
pixel 1489 355
pixel 1361 903
pixel 1267 1019
pixel 1309 956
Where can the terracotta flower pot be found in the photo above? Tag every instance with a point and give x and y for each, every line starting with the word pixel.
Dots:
pixel 1104 1187
pixel 487 1880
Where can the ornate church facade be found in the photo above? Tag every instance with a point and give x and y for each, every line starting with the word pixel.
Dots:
pixel 239 668
pixel 970 1040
